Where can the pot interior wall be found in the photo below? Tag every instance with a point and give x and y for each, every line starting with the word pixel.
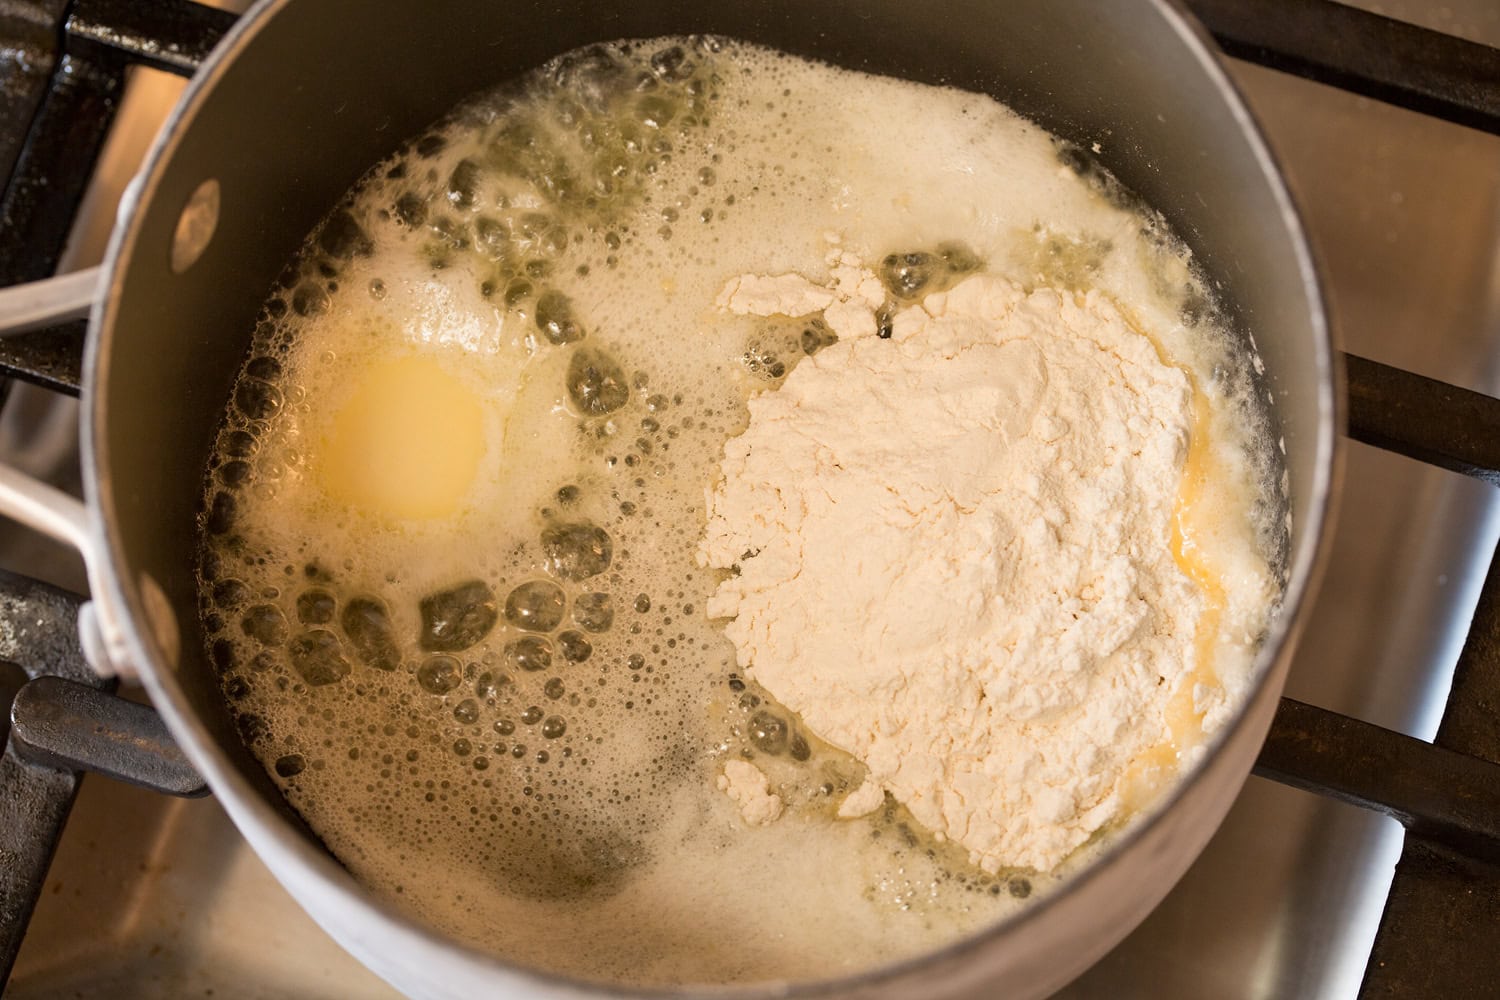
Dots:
pixel 321 91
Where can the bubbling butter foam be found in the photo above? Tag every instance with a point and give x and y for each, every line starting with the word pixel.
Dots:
pixel 449 534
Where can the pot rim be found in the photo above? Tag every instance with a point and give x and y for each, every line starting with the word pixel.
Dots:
pixel 284 848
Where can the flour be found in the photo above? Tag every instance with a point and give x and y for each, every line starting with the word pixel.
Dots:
pixel 766 295
pixel 862 801
pixel 954 556
pixel 848 305
pixel 748 786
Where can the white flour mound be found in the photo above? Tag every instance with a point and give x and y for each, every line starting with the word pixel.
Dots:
pixel 954 560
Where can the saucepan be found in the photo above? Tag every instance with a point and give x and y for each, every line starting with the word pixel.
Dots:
pixel 304 95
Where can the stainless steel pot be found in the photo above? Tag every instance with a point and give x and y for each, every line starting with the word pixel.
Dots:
pixel 303 96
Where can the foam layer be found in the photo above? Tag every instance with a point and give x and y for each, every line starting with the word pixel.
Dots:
pixel 483 671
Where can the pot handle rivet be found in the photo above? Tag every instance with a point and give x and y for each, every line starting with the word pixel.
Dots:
pixel 103 645
pixel 162 620
pixel 195 226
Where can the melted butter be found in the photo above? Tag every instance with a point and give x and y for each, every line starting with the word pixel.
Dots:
pixel 406 444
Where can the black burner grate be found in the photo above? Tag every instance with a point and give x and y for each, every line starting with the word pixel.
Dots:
pixel 62 72
pixel 38 638
pixel 62 68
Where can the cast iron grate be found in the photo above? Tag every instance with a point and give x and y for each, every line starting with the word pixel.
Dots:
pixel 62 70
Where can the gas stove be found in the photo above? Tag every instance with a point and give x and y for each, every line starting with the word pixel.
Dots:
pixel 1310 889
